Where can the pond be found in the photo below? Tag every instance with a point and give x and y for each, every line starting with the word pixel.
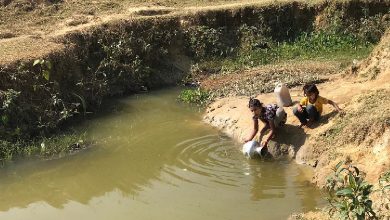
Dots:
pixel 154 158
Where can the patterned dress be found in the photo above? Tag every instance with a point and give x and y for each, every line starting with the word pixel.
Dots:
pixel 268 113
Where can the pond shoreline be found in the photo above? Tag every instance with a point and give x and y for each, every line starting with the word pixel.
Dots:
pixel 337 137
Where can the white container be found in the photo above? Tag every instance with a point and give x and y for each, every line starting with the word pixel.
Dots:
pixel 251 148
pixel 282 94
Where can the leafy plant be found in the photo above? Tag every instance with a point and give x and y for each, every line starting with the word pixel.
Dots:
pixel 45 66
pixel 9 99
pixel 60 145
pixel 5 152
pixel 197 96
pixel 206 42
pixel 252 37
pixel 349 193
pixel 384 181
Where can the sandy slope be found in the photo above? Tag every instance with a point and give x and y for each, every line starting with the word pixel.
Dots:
pixel 232 116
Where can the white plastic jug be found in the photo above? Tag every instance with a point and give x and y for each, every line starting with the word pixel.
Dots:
pixel 251 148
pixel 282 94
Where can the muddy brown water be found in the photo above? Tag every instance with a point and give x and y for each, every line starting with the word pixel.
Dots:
pixel 155 159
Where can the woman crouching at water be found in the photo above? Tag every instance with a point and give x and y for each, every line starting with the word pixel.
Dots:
pixel 271 115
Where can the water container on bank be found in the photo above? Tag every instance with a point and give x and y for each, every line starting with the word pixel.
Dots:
pixel 282 94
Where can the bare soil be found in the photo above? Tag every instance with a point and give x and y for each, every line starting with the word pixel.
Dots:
pixel 262 79
pixel 31 29
pixel 361 134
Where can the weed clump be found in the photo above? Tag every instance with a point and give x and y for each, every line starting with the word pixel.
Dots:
pixel 45 148
pixel 349 193
pixel 197 96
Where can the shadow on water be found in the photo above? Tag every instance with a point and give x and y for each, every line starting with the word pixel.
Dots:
pixel 151 147
pixel 263 175
pixel 78 179
pixel 277 182
pixel 122 158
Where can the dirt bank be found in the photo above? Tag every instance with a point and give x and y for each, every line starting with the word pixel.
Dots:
pixel 360 136
pixel 48 79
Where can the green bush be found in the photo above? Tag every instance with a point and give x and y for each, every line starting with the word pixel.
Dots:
pixel 197 96
pixel 349 193
pixel 205 42
pixel 47 147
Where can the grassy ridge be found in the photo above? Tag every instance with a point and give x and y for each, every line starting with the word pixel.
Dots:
pixel 336 39
pixel 316 46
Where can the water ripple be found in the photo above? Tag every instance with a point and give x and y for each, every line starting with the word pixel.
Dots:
pixel 210 156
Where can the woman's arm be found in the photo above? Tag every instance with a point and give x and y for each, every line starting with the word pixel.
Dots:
pixel 334 104
pixel 254 131
pixel 271 125
pixel 265 128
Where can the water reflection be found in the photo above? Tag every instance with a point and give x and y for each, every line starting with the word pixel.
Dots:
pixel 269 181
pixel 156 158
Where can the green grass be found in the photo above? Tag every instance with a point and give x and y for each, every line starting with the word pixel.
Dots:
pixel 46 148
pixel 197 96
pixel 317 46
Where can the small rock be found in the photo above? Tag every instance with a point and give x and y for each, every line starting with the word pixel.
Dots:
pixel 274 149
pixel 284 149
pixel 312 163
pixel 291 152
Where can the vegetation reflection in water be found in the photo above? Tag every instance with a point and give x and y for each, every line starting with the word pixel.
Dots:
pixel 155 158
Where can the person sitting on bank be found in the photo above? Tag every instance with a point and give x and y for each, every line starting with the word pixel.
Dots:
pixel 310 107
pixel 271 115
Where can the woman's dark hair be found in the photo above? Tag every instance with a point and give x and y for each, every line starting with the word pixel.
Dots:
pixel 310 88
pixel 254 103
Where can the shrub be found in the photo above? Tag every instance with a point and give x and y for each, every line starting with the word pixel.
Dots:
pixel 206 42
pixel 197 96
pixel 349 193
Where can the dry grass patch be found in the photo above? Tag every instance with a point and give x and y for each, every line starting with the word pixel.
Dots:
pixel 365 120
pixel 25 48
pixel 263 79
